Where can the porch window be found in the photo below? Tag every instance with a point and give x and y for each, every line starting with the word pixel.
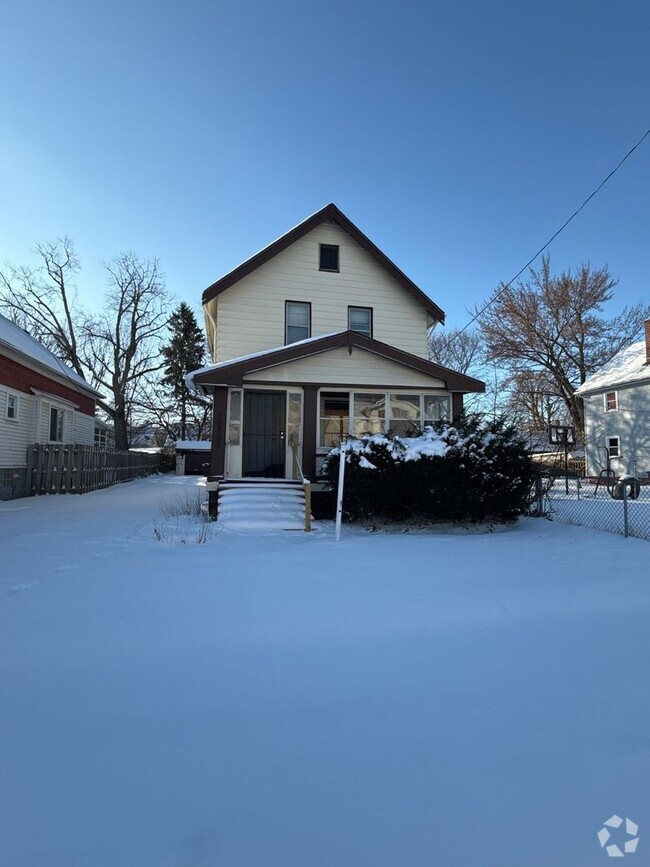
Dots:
pixel 234 422
pixel 360 320
pixel 369 413
pixel 56 425
pixel 436 408
pixel 297 316
pixel 334 422
pixel 611 401
pixel 294 418
pixel 404 414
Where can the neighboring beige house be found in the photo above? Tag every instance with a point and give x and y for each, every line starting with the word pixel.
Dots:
pixel 617 412
pixel 317 337
pixel 41 401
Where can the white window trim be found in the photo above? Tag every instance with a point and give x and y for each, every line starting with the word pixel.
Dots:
pixel 62 410
pixel 618 446
pixel 351 416
pixel 14 418
pixel 605 407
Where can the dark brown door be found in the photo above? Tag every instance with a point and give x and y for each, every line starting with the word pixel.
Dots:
pixel 264 440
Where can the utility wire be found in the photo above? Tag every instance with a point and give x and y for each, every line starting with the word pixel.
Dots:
pixel 549 242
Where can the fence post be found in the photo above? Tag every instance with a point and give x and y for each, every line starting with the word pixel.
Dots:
pixel 625 525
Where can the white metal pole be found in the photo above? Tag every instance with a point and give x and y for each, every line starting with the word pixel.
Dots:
pixel 339 493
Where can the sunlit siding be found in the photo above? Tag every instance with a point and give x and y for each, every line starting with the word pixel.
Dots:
pixel 630 423
pixel 250 314
pixel 339 366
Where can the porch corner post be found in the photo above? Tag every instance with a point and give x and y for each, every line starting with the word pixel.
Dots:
pixel 456 406
pixel 219 421
pixel 309 433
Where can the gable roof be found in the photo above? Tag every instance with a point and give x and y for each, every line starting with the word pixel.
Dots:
pixel 329 212
pixel 232 372
pixel 14 337
pixel 627 367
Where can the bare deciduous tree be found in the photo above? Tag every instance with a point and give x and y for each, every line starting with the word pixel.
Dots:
pixel 44 302
pixel 122 344
pixel 114 350
pixel 554 324
pixel 458 349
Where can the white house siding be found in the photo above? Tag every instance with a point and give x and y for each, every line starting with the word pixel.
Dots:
pixel 15 436
pixel 78 427
pixel 339 366
pixel 630 422
pixel 83 429
pixel 250 314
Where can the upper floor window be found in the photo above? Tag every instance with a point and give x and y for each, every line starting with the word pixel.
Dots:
pixel 360 319
pixel 611 400
pixel 12 407
pixel 297 321
pixel 56 425
pixel 328 257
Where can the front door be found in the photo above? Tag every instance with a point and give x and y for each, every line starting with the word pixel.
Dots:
pixel 263 435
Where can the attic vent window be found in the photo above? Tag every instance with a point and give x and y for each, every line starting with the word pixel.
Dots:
pixel 329 257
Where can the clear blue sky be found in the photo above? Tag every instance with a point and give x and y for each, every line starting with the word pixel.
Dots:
pixel 457 135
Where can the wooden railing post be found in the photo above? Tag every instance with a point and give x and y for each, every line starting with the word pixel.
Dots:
pixel 307 487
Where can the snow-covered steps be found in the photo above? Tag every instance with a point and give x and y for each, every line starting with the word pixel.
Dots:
pixel 261 504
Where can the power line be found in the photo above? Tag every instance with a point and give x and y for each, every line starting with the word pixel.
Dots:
pixel 549 242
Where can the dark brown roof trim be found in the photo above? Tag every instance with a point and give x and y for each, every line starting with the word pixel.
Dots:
pixel 329 212
pixel 232 374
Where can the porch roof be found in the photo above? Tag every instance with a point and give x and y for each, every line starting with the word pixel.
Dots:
pixel 232 372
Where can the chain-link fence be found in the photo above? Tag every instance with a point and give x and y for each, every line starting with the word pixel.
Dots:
pixel 616 505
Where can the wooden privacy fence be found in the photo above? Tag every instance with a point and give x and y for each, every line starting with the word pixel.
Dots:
pixel 56 468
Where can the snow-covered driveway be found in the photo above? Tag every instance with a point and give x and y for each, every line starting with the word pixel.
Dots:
pixel 283 701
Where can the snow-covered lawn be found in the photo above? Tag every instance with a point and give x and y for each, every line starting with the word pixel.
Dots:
pixel 283 701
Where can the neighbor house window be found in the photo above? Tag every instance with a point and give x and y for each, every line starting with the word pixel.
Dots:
pixel 328 257
pixel 613 446
pixel 404 414
pixel 101 437
pixel 611 401
pixel 360 319
pixel 369 413
pixel 297 318
pixel 334 421
pixel 12 407
pixel 56 425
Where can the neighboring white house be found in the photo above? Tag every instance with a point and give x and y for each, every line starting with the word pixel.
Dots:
pixel 617 412
pixel 318 336
pixel 41 401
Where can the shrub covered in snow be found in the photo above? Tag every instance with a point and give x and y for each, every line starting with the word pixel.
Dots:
pixel 473 471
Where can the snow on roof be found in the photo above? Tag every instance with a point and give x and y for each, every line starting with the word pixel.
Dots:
pixel 189 379
pixel 627 366
pixel 16 338
pixel 193 445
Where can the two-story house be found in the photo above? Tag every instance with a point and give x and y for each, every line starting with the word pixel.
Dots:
pixel 318 336
pixel 617 412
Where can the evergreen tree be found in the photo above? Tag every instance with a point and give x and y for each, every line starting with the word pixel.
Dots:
pixel 184 352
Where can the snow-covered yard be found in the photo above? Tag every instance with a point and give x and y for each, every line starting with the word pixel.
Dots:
pixel 281 700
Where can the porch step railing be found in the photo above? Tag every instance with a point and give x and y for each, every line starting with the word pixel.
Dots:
pixel 306 484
